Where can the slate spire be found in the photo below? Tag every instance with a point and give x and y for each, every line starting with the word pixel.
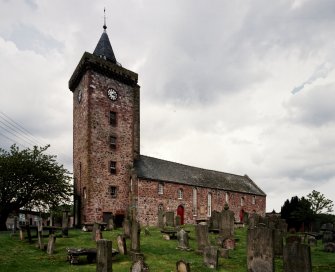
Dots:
pixel 104 48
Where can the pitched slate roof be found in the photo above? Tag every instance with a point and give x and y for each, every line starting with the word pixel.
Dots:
pixel 104 48
pixel 161 170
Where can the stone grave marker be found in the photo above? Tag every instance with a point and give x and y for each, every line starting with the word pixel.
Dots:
pixel 260 250
pixel 126 228
pixel 40 235
pixel 169 219
pixel 201 231
pixel 104 256
pixel 21 234
pixel 135 236
pixel 183 266
pixel 253 220
pixel 94 230
pixel 139 266
pixel 211 256
pixel 121 244
pixel 327 236
pixel 297 258
pixel 182 237
pixel 226 225
pixel 278 242
pixel 229 243
pixel 215 221
pixel 98 235
pixel 65 224
pixel 110 224
pixel 160 219
pixel 329 247
pixel 51 244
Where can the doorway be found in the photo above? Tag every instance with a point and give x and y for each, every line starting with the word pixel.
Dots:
pixel 180 213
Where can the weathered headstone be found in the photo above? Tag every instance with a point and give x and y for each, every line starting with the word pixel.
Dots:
pixel 211 256
pixel 110 224
pixel 278 242
pixel 98 235
pixel 169 219
pixel 94 230
pixel 327 236
pixel 297 258
pixel 260 250
pixel 135 236
pixel 139 266
pixel 40 235
pixel 161 219
pixel 104 255
pixel 183 266
pixel 229 243
pixel 329 247
pixel 121 244
pixel 227 223
pixel 215 221
pixel 21 234
pixel 126 228
pixel 65 224
pixel 253 220
pixel 51 244
pixel 312 241
pixel 201 231
pixel 182 236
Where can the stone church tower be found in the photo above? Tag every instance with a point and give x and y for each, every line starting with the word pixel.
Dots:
pixel 106 134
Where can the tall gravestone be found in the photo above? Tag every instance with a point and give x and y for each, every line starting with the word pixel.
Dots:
pixel 260 250
pixel 201 231
pixel 40 234
pixel 160 216
pixel 215 221
pixel 121 243
pixel 226 225
pixel 65 224
pixel 182 236
pixel 126 228
pixel 51 244
pixel 104 256
pixel 297 258
pixel 211 256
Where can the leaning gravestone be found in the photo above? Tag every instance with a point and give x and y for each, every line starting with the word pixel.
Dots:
pixel 260 250
pixel 169 219
pixel 182 236
pixel 211 257
pixel 297 258
pixel 201 231
pixel 51 244
pixel 121 244
pixel 183 266
pixel 104 255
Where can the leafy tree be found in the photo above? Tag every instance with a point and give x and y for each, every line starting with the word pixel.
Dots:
pixel 29 178
pixel 319 203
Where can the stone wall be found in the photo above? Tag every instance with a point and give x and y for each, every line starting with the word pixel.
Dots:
pixel 149 201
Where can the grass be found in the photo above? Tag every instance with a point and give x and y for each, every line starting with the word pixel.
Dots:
pixel 160 255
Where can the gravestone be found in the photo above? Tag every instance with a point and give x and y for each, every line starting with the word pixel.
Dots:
pixel 21 234
pixel 183 266
pixel 139 266
pixel 169 219
pixel 51 244
pixel 178 220
pixel 104 256
pixel 260 250
pixel 121 244
pixel 161 219
pixel 94 230
pixel 278 242
pixel 182 236
pixel 110 224
pixel 211 256
pixel 226 225
pixel 253 221
pixel 201 231
pixel 229 243
pixel 135 236
pixel 214 221
pixel 98 235
pixel 293 238
pixel 40 235
pixel 65 224
pixel 329 247
pixel 327 236
pixel 297 258
pixel 126 225
pixel 312 241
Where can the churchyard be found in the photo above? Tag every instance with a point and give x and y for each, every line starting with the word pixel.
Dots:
pixel 194 244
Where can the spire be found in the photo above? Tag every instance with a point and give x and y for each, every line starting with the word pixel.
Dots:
pixel 104 48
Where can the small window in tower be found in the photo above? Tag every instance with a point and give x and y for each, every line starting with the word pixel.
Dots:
pixel 112 142
pixel 180 193
pixel 113 191
pixel 113 167
pixel 160 188
pixel 112 118
pixel 254 200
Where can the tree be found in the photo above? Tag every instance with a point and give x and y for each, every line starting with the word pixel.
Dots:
pixel 29 178
pixel 319 202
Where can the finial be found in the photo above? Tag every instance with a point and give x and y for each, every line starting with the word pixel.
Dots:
pixel 105 27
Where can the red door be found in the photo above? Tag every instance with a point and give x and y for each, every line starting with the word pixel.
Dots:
pixel 180 212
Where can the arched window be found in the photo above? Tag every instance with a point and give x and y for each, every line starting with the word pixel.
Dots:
pixel 209 205
pixel 194 201
pixel 254 200
pixel 227 198
pixel 160 188
pixel 180 193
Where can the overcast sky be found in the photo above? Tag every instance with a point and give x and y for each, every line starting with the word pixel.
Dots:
pixel 244 87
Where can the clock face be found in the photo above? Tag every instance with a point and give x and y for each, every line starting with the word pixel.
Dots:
pixel 80 95
pixel 112 94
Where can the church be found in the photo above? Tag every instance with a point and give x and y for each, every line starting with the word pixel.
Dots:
pixel 112 177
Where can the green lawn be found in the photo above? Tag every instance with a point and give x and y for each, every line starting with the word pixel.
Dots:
pixel 160 255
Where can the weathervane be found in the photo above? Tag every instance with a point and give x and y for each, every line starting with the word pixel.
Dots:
pixel 105 27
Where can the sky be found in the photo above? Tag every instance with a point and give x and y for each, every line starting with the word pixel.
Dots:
pixel 243 87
